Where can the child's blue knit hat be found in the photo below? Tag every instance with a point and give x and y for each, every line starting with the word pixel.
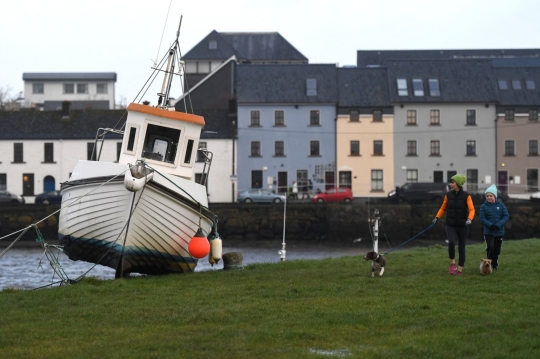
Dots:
pixel 492 189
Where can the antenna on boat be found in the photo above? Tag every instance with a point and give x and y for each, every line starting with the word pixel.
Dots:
pixel 163 96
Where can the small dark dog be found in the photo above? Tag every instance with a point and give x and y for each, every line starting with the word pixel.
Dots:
pixel 485 266
pixel 378 263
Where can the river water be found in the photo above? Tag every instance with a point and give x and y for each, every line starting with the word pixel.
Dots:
pixel 28 268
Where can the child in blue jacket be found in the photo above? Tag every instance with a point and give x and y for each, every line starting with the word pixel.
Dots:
pixel 493 215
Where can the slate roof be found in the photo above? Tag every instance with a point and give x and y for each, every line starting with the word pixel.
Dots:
pixel 246 46
pixel 49 125
pixel 218 124
pixel 69 76
pixel 363 87
pixel 459 80
pixel 381 57
pixel 518 69
pixel 285 83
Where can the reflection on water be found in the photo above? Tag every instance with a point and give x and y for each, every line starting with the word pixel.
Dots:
pixel 20 267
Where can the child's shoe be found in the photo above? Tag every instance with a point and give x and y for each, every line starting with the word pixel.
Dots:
pixel 452 269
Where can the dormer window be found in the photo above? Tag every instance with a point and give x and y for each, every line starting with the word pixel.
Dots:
pixel 402 87
pixel 311 85
pixel 212 45
pixel 418 87
pixel 434 89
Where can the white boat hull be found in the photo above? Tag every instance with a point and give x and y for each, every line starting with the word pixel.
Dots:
pixel 144 232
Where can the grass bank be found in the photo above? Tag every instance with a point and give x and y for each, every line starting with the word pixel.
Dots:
pixel 294 309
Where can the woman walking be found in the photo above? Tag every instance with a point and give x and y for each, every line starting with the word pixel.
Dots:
pixel 459 209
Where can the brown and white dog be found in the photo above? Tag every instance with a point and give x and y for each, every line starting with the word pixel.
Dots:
pixel 485 266
pixel 378 263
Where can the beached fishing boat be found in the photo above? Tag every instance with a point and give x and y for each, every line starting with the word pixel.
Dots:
pixel 145 213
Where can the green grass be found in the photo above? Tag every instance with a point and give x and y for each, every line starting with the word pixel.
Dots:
pixel 293 309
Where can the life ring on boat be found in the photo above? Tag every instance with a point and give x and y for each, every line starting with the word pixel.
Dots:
pixel 134 184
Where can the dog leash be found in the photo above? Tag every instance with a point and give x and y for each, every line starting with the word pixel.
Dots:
pixel 410 239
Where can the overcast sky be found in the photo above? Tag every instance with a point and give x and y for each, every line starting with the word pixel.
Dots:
pixel 123 36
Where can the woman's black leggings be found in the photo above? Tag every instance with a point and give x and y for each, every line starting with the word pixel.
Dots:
pixel 461 233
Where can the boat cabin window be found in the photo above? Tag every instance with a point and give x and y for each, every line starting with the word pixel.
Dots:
pixel 189 151
pixel 161 143
pixel 131 139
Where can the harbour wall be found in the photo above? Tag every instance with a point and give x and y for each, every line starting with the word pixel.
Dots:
pixel 304 221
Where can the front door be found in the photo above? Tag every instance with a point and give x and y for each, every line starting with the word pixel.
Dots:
pixel 48 184
pixel 282 182
pixel 329 180
pixel 28 184
pixel 256 179
pixel 438 176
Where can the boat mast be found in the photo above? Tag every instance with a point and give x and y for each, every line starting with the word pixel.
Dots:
pixel 163 96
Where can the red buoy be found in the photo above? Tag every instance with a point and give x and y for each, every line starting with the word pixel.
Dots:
pixel 199 247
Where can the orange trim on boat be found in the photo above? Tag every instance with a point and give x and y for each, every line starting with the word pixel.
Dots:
pixel 173 115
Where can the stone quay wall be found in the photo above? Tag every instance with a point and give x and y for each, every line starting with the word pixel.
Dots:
pixel 304 221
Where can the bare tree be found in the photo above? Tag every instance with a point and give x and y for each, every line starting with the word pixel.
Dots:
pixel 8 102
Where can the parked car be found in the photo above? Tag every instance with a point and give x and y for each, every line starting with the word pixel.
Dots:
pixel 260 195
pixel 535 197
pixel 419 191
pixel 341 194
pixel 478 196
pixel 7 197
pixel 51 197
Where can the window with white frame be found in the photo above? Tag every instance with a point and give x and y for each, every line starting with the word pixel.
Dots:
pixel 355 148
pixel 434 117
pixel 471 148
pixel 471 117
pixel 411 117
pixel 509 148
pixel 37 88
pixel 69 88
pixel 18 156
pixel 314 118
pixel 82 88
pixel 255 118
pixel 435 148
pixel 472 180
pixel 533 147
pixel 200 155
pixel 48 150
pixel 412 176
pixel 533 114
pixel 411 148
pixel 377 180
pixel 314 148
pixel 377 148
pixel 279 148
pixel 354 116
pixel 101 88
pixel 255 149
pixel 279 118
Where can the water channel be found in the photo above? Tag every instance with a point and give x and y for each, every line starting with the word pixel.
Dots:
pixel 26 267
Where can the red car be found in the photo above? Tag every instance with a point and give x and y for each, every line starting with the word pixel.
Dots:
pixel 341 194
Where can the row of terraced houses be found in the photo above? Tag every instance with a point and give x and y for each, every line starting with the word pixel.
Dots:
pixel 273 118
